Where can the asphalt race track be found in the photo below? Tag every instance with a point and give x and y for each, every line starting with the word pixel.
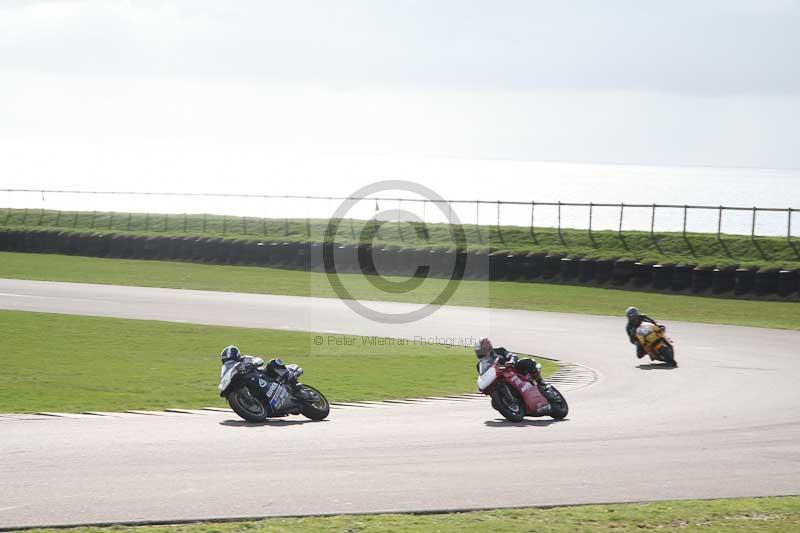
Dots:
pixel 726 423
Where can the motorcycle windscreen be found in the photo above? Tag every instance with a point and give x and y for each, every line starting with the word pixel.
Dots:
pixel 226 375
pixel 645 329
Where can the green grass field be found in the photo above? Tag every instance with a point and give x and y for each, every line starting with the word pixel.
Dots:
pixel 779 515
pixel 512 295
pixel 71 363
pixel 695 248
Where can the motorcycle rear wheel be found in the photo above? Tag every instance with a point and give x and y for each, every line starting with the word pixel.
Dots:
pixel 315 405
pixel 244 405
pixel 508 402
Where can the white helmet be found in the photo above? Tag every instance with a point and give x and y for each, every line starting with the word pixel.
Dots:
pixel 632 312
pixel 230 353
pixel 483 347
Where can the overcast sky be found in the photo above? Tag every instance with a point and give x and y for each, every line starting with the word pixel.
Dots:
pixel 668 83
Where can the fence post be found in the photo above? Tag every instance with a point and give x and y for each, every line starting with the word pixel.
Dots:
pixel 558 228
pixel 74 219
pixel 719 224
pixel 533 205
pixel 621 214
pixel 244 224
pixel 185 222
pixel 399 219
pixel 285 226
pixel 41 216
pixel 498 215
pixel 450 219
pixel 653 222
pixel 533 232
pixel 477 215
pixel 591 208
pixel 685 209
pixel 166 222
pixel 224 224
pixel 753 225
pixel 130 217
pixel 147 221
pixel 111 220
pixel 789 227
pixel 264 226
pixel 25 216
pixel 94 216
pixel 205 216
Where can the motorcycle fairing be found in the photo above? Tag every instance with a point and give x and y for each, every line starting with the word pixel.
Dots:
pixel 650 337
pixel 535 402
pixel 226 375
pixel 275 393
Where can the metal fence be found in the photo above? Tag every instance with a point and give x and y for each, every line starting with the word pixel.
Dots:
pixel 652 218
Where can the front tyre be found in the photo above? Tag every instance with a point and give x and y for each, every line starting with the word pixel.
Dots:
pixel 313 404
pixel 558 404
pixel 667 354
pixel 245 405
pixel 508 402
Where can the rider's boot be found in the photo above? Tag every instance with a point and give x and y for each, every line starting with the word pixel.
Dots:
pixel 544 387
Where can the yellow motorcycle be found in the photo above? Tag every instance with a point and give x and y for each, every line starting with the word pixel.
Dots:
pixel 655 343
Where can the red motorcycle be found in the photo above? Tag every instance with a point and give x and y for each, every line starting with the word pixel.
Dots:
pixel 515 397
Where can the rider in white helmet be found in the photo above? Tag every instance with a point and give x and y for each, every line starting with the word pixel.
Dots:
pixel 488 354
pixel 275 368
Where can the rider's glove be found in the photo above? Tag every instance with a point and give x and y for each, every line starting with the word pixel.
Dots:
pixel 290 378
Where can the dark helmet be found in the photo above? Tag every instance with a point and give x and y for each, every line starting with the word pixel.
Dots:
pixel 632 312
pixel 230 353
pixel 483 347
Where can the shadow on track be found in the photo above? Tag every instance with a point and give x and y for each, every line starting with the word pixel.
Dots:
pixel 655 366
pixel 271 423
pixel 503 423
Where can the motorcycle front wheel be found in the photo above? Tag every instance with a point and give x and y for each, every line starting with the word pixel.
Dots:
pixel 558 405
pixel 313 404
pixel 245 405
pixel 508 402
pixel 667 354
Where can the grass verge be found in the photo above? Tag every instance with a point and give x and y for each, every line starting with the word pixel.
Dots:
pixel 70 363
pixel 704 249
pixel 779 514
pixel 498 294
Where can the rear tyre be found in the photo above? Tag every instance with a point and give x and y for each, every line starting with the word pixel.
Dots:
pixel 245 405
pixel 508 402
pixel 313 404
pixel 667 355
pixel 558 405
